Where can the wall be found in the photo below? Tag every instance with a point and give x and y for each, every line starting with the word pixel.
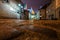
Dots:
pixel 8 10
pixel 43 13
pixel 58 8
pixel 57 3
pixel 54 9
pixel 51 10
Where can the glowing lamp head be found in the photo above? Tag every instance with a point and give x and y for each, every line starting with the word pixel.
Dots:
pixel 19 4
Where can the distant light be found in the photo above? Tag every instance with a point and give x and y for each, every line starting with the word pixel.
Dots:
pixel 32 16
pixel 12 9
pixel 19 4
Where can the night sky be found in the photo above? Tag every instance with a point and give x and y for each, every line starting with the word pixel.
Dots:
pixel 35 4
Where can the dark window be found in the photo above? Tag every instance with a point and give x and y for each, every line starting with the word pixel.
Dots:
pixel 7 1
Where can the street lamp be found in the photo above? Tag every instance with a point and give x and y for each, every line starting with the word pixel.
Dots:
pixel 21 9
pixel 19 5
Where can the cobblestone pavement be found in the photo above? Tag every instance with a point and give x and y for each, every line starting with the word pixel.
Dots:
pixel 12 29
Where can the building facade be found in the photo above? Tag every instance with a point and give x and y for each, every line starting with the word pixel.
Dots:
pixel 10 9
pixel 52 11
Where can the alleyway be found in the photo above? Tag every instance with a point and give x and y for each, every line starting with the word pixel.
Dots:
pixel 29 19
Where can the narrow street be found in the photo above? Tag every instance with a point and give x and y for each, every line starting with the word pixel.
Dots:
pixel 29 19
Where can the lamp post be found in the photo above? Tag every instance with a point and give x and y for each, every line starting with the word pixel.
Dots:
pixel 21 9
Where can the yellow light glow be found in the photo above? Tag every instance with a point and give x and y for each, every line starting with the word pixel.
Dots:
pixel 33 12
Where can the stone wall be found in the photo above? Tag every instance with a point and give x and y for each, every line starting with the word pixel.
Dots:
pixel 50 10
pixel 57 3
pixel 53 9
pixel 58 9
pixel 7 10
